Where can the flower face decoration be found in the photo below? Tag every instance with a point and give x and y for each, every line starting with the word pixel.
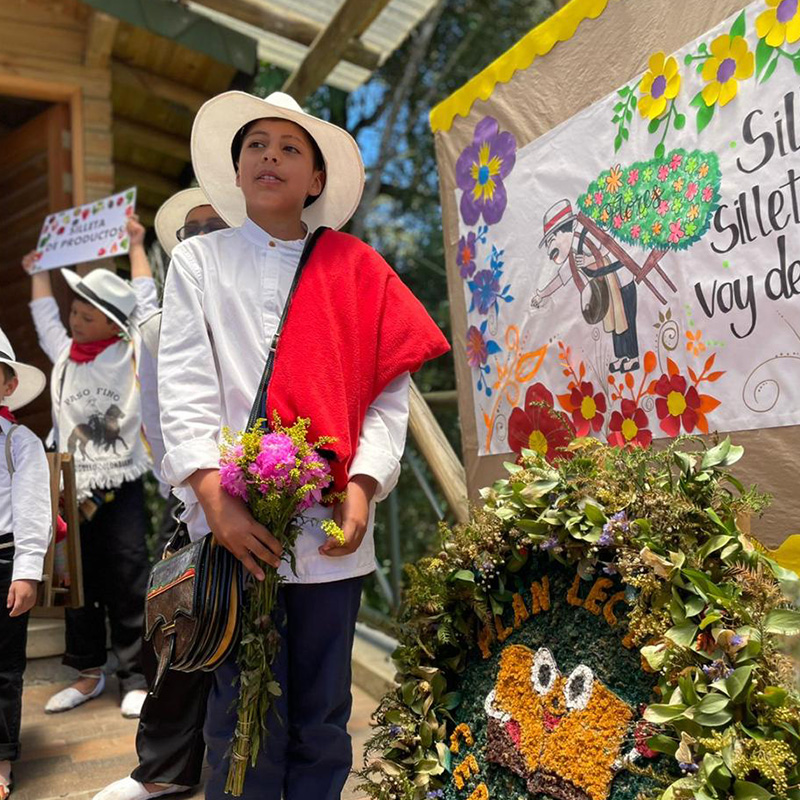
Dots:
pixel 731 61
pixel 537 426
pixel 465 257
pixel 779 23
pixel 675 405
pixel 660 83
pixel 481 169
pixel 628 426
pixel 588 408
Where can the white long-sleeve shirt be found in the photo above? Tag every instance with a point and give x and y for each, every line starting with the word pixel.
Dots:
pixel 224 296
pixel 25 501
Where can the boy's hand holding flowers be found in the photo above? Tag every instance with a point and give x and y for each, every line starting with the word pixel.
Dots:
pixel 352 516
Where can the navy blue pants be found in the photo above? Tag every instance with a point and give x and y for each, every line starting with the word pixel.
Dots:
pixel 307 756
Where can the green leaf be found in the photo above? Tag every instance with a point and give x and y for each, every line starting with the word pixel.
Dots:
pixel 714 720
pixel 617 142
pixel 710 619
pixel 763 54
pixel 716 455
pixel 697 100
pixel 735 683
pixel 659 151
pixel 783 621
pixel 773 696
pixel 661 712
pixel 662 744
pixel 654 655
pixel 738 28
pixel 679 122
pixel 712 703
pixel 652 126
pixel 704 116
pixel 594 514
pixel 744 790
pixel 770 69
pixel 797 66
pixel 464 575
pixel 683 634
pixel 694 605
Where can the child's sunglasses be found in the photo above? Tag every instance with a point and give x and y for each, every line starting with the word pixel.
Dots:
pixel 187 231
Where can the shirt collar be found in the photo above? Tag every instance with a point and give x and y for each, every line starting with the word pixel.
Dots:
pixel 260 238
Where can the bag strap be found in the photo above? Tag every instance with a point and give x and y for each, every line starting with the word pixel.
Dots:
pixel 9 459
pixel 259 409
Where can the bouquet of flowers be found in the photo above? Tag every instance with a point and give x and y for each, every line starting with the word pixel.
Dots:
pixel 279 474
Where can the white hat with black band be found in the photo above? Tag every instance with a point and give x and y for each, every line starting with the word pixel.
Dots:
pixel 106 291
pixel 31 379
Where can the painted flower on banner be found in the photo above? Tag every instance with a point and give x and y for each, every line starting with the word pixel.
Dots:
pixel 538 426
pixel 660 83
pixel 628 426
pixel 485 290
pixel 780 23
pixel 731 61
pixel 588 408
pixel 481 169
pixel 465 257
pixel 694 342
pixel 479 348
pixel 677 404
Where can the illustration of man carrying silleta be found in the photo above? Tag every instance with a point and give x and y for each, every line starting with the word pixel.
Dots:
pixel 607 287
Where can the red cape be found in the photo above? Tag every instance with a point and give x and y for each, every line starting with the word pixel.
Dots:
pixel 352 328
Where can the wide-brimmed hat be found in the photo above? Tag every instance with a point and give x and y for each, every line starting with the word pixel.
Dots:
pixel 106 291
pixel 220 119
pixel 172 215
pixel 557 215
pixel 31 379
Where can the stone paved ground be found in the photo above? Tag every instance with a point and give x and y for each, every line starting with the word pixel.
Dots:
pixel 74 755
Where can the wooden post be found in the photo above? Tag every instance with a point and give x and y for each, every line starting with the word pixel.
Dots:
pixel 437 451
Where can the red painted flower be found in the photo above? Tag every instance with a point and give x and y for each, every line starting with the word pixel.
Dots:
pixel 587 408
pixel 628 426
pixel 676 405
pixel 477 352
pixel 537 426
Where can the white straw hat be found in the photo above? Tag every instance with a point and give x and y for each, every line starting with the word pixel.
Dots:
pixel 172 215
pixel 31 379
pixel 219 120
pixel 106 291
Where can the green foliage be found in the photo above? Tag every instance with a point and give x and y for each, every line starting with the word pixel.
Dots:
pixel 706 612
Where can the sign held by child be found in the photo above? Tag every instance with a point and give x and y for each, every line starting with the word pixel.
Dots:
pixel 85 233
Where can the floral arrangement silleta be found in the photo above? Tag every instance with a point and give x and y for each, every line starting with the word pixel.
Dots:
pixel 707 609
pixel 280 474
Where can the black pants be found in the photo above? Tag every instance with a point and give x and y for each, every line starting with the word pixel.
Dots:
pixel 307 755
pixel 169 741
pixel 115 572
pixel 13 638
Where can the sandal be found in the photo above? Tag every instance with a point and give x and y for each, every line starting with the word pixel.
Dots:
pixel 70 698
pixel 7 788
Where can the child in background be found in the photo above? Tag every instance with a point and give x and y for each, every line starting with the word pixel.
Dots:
pixel 97 417
pixel 25 525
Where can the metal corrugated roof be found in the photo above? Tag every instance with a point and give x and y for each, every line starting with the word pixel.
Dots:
pixel 385 34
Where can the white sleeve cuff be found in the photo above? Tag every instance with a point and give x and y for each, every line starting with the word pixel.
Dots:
pixel 188 457
pixel 27 567
pixel 378 464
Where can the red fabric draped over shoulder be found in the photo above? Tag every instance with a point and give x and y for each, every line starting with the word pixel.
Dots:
pixel 352 328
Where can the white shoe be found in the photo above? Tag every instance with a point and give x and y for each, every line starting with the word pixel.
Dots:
pixel 129 789
pixel 70 698
pixel 132 703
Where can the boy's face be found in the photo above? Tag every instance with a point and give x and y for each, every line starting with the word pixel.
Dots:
pixel 559 245
pixel 200 220
pixel 276 170
pixel 89 324
pixel 8 384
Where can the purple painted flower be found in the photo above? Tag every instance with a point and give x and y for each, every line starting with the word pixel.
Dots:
pixel 465 258
pixel 485 291
pixel 232 480
pixel 477 352
pixel 481 169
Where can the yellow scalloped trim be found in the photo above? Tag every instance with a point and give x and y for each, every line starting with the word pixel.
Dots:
pixel 559 28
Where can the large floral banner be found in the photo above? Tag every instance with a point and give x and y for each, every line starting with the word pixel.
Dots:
pixel 633 273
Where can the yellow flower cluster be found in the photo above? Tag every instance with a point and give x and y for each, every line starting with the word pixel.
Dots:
pixel 462 773
pixel 332 530
pixel 481 792
pixel 772 758
pixel 462 730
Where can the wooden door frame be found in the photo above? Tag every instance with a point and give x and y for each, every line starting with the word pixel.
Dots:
pixel 56 92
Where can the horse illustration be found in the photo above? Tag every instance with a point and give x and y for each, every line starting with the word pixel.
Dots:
pixel 102 430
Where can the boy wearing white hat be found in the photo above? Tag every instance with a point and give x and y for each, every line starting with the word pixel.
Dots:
pixel 169 741
pixel 285 181
pixel 25 525
pixel 97 417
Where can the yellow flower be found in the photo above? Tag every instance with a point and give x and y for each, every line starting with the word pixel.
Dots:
pixel 660 83
pixel 779 23
pixel 731 61
pixel 604 216
pixel 614 179
pixel 656 228
pixel 703 171
pixel 694 211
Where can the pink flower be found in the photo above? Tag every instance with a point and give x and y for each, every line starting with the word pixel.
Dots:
pixel 598 198
pixel 617 220
pixel 633 177
pixel 708 193
pixel 278 455
pixel 663 172
pixel 676 161
pixel 635 231
pixel 663 207
pixel 691 190
pixel 675 232
pixel 232 480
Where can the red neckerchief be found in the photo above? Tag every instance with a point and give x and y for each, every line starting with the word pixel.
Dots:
pixel 5 413
pixel 353 327
pixel 83 352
